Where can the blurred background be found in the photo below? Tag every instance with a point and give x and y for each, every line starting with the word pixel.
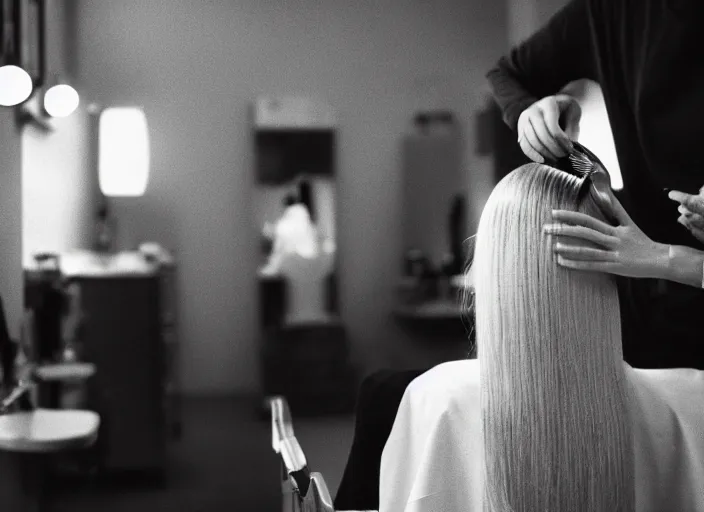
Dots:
pixel 236 199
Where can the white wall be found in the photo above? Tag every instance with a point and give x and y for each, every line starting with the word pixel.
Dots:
pixel 57 194
pixel 58 179
pixel 197 66
pixel 11 219
pixel 527 16
pixel 522 20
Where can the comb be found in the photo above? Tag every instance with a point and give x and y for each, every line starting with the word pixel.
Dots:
pixel 582 162
pixel 581 166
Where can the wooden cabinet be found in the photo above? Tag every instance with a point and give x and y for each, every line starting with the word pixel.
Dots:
pixel 170 339
pixel 124 337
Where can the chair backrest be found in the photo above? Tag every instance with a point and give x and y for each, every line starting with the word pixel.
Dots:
pixel 281 424
pixel 302 490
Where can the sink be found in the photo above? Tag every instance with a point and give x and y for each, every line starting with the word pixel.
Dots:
pixel 48 430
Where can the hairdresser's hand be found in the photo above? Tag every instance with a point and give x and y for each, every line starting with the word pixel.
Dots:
pixel 691 210
pixel 622 250
pixel 539 133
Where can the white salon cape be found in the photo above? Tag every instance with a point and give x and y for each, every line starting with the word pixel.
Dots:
pixel 432 461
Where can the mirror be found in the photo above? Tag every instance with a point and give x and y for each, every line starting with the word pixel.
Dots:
pixel 295 210
pixel 434 202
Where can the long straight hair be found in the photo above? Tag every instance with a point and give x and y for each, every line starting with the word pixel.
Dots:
pixel 554 395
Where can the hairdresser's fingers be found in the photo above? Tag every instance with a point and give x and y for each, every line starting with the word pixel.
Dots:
pixel 582 253
pixel 684 210
pixel 582 219
pixel 551 117
pixel 535 134
pixel 695 220
pixel 526 132
pixel 583 233
pixel 593 266
pixel 570 115
pixel 694 203
pixel 530 151
pixel 546 138
pixel 531 138
pixel 523 128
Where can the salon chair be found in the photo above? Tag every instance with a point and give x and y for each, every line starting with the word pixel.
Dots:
pixel 303 490
pixel 29 435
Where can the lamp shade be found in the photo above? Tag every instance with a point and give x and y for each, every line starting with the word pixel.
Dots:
pixel 15 85
pixel 60 100
pixel 123 152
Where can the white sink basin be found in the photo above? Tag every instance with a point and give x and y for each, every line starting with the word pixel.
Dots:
pixel 48 430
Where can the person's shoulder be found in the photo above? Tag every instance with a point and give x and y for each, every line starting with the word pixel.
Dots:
pixel 669 379
pixel 450 374
pixel 447 384
pixel 668 432
pixel 679 390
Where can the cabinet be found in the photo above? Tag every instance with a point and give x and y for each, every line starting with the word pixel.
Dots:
pixel 124 337
pixel 170 339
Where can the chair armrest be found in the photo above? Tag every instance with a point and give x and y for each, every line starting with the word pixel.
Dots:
pixel 292 455
pixel 281 424
pixel 310 491
pixel 318 494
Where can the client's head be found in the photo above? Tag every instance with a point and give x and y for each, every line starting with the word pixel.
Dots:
pixel 554 397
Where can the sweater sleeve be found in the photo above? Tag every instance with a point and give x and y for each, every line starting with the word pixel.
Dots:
pixel 557 54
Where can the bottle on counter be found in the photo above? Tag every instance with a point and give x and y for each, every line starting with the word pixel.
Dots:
pixel 104 231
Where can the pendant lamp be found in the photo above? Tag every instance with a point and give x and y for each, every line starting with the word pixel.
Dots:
pixel 60 100
pixel 15 83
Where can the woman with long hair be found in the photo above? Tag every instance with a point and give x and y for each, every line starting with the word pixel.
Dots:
pixel 549 418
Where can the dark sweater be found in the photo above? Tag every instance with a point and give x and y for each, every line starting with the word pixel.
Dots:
pixel 647 57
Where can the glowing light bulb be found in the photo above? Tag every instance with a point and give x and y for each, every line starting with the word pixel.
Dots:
pixel 15 85
pixel 61 100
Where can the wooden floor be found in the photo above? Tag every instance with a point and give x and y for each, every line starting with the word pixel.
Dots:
pixel 223 463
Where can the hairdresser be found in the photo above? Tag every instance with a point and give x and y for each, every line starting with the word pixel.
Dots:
pixel 646 57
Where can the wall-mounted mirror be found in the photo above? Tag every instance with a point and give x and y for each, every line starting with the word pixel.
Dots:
pixel 305 354
pixel 295 210
pixel 434 190
pixel 433 211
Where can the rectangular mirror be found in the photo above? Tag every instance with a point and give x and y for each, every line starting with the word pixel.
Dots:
pixel 434 196
pixel 295 210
